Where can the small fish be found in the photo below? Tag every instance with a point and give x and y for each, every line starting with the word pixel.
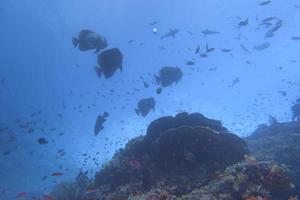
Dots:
pixel 42 141
pixel 226 50
pixel 295 38
pixel 44 178
pixel 153 23
pixel 21 195
pixel 270 32
pixel 135 164
pixel 243 23
pixel 91 191
pixel 265 3
pixel 6 153
pixel 268 19
pixel 158 90
pixel 197 49
pixel 171 33
pixel 209 32
pixel 203 55
pixel 190 63
pixel 262 46
pixel 3 129
pixel 245 49
pixel 57 174
pixel 208 50
pixel 146 85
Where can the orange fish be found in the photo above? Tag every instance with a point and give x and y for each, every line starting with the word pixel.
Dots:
pixel 57 174
pixel 135 164
pixel 91 191
pixel 21 195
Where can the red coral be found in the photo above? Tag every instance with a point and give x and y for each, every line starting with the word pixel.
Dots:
pixel 276 180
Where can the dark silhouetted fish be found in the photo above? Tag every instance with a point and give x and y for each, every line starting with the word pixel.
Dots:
pixel 226 50
pixel 245 49
pixel 42 141
pixel 262 46
pixel 145 105
pixel 168 75
pixel 88 40
pixel 109 61
pixel 197 49
pixel 171 33
pixel 295 38
pixel 209 32
pixel 265 3
pixel 243 23
pixel 208 50
pixel 271 31
pixel 99 123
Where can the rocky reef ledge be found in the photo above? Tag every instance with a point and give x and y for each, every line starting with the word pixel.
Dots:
pixel 185 157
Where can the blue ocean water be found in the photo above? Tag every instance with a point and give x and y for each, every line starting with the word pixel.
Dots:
pixel 51 87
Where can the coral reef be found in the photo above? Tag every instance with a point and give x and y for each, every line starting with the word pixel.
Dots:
pixel 246 181
pixel 279 142
pixel 186 157
pixel 185 149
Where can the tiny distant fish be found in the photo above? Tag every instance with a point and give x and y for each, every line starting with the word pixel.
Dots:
pixel 3 129
pixel 57 174
pixel 283 93
pixel 203 55
pixel 243 23
pixel 226 50
pixel 295 38
pixel 271 31
pixel 6 153
pixel 209 32
pixel 190 63
pixel 245 49
pixel 21 195
pixel 265 3
pixel 146 85
pixel 262 46
pixel 42 141
pixel 171 33
pixel 235 81
pixel 135 164
pixel 153 23
pixel 268 19
pixel 208 50
pixel 91 191
pixel 158 90
pixel 197 49
pixel 213 69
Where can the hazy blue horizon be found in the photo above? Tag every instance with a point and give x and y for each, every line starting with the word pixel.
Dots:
pixel 42 71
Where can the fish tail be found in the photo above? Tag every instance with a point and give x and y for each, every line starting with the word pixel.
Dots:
pixel 137 111
pixel 98 71
pixel 97 50
pixel 75 41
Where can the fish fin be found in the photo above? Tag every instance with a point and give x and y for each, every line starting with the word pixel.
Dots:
pixel 97 50
pixel 98 71
pixel 105 114
pixel 121 68
pixel 75 41
pixel 137 111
